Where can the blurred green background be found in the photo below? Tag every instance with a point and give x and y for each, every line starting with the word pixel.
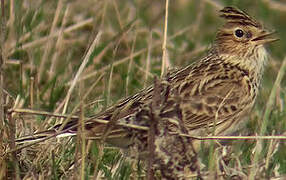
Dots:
pixel 45 43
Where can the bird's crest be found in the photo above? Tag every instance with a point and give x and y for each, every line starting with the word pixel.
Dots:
pixel 234 15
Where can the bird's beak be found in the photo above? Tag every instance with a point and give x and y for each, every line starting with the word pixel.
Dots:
pixel 265 37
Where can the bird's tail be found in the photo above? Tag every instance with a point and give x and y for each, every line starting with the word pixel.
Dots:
pixel 105 127
pixel 37 137
pixel 57 131
pixel 42 136
pixel 93 130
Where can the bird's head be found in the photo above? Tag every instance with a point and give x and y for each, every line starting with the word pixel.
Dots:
pixel 241 35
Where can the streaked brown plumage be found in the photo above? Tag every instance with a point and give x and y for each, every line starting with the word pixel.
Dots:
pixel 216 91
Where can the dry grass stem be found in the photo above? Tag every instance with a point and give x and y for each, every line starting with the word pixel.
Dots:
pixel 109 85
pixel 147 69
pixel 106 68
pixel 268 109
pixel 106 131
pixel 84 97
pixel 280 6
pixel 271 100
pixel 215 4
pixel 130 66
pixel 276 137
pixel 48 46
pixel 3 130
pixel 81 133
pixel 12 132
pixel 55 34
pixel 165 52
pixel 269 152
pixel 43 113
pixel 81 68
pixel 59 43
pixel 139 52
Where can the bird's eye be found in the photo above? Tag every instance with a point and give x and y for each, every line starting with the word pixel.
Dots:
pixel 239 33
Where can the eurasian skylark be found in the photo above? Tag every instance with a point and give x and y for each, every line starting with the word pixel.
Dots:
pixel 209 96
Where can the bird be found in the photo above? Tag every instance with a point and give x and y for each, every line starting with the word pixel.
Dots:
pixel 213 95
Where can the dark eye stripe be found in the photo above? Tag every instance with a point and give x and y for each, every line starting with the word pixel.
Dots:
pixel 225 34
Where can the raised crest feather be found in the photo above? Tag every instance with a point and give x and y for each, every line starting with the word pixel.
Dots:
pixel 234 15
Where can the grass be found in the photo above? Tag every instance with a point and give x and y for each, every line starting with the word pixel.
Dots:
pixel 75 57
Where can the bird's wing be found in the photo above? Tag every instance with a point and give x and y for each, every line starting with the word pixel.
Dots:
pixel 214 102
pixel 135 103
